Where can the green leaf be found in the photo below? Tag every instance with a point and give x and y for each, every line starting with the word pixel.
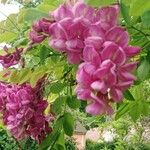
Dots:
pixel 123 109
pixel 125 13
pixel 60 143
pixel 46 7
pixel 68 124
pixel 73 102
pixel 35 60
pixel 128 95
pixel 13 77
pixel 37 74
pixel 44 53
pixel 58 105
pixel 22 41
pixel 139 108
pixel 145 108
pixel 3 76
pixel 138 7
pixel 146 18
pixel 7 37
pixel 53 136
pixel 24 75
pixel 57 87
pixel 97 3
pixel 135 112
pixel 13 24
pixel 48 141
pixel 137 92
pixel 33 14
pixel 143 71
pixel 53 2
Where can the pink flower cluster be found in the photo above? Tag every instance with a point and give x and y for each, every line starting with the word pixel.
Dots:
pixel 92 36
pixel 22 109
pixel 40 30
pixel 10 59
pixel 107 70
pixel 77 26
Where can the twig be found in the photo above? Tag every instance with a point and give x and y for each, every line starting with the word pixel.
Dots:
pixel 140 31
pixel 29 46
pixel 145 45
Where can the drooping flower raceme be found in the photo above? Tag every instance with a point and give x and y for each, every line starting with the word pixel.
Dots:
pixel 23 111
pixel 92 37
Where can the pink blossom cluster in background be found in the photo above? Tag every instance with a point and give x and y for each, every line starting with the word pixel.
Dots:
pixel 22 109
pixel 10 59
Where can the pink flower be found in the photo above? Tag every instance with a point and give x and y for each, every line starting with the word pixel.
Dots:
pixel 45 24
pixel 3 97
pixel 104 76
pixel 79 25
pixel 107 17
pixel 40 30
pixel 23 111
pixel 11 59
pixel 35 37
pixel 118 35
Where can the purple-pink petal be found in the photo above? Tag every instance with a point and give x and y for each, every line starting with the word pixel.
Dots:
pixel 118 35
pixel 132 50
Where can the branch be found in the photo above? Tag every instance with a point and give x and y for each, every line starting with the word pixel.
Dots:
pixel 29 47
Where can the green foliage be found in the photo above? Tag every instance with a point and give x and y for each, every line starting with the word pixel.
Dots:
pixel 97 3
pixel 51 139
pixel 73 102
pixel 125 12
pixel 139 7
pixel 128 95
pixel 146 18
pixel 42 61
pixel 56 87
pixel 60 144
pixel 58 105
pixel 137 108
pixel 97 146
pixel 8 36
pixel 143 71
pixel 70 144
pixel 68 124
pixel 9 143
pixel 33 14
pixel 116 145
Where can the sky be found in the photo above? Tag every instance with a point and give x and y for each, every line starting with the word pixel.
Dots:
pixel 8 9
